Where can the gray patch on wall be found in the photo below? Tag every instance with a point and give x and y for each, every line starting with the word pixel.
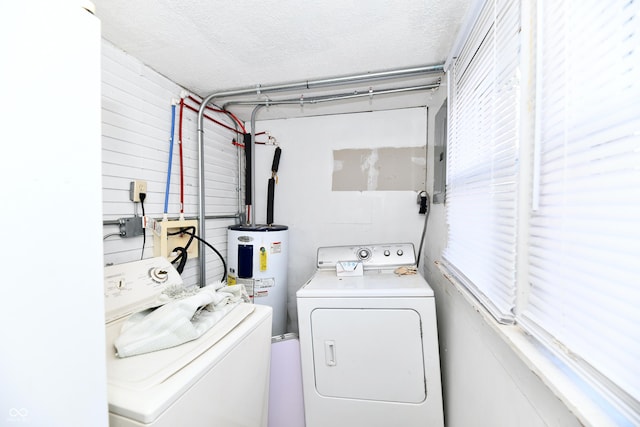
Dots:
pixel 379 169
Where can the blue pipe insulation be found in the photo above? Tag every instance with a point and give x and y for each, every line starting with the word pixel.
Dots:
pixel 173 127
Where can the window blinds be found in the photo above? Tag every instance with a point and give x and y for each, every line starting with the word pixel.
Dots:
pixel 584 255
pixel 482 159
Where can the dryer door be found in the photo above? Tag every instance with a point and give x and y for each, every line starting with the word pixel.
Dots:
pixel 369 354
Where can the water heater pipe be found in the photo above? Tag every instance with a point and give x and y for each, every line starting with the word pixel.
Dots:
pixel 254 113
pixel 173 127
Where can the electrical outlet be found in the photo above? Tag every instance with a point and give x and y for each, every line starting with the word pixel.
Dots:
pixel 135 188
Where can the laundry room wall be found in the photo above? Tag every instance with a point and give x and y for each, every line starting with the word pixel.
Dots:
pixel 316 214
pixel 136 130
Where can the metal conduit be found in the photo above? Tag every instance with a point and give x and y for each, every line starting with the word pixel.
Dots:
pixel 336 97
pixel 306 84
pixel 107 222
pixel 254 113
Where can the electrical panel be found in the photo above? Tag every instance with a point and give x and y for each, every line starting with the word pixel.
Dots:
pixel 171 234
pixel 440 155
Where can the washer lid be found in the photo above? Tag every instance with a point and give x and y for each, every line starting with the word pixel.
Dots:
pixel 142 387
pixel 377 283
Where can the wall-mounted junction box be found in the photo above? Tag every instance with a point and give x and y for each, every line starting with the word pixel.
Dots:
pixel 167 235
pixel 131 226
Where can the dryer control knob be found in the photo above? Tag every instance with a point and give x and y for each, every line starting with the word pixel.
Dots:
pixel 386 252
pixel 364 253
pixel 400 253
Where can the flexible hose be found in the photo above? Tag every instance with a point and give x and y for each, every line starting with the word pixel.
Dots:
pixel 271 189
pixel 182 257
pixel 424 230
pixel 276 160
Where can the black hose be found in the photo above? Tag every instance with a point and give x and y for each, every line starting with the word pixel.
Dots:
pixel 270 194
pixel 276 160
pixel 271 189
pixel 426 204
pixel 181 259
pixel 183 255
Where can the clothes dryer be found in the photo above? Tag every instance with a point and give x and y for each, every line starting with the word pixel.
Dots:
pixel 220 379
pixel 368 338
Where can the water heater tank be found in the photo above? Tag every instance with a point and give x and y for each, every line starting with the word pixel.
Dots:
pixel 257 256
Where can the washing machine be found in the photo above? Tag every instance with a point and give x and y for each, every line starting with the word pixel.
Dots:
pixel 219 379
pixel 368 340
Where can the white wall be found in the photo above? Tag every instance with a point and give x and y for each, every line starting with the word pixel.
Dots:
pixel 318 216
pixel 52 363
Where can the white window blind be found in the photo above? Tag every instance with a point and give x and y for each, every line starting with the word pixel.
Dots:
pixel 584 255
pixel 482 159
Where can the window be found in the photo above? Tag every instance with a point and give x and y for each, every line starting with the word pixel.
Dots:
pixel 584 239
pixel 580 295
pixel 481 192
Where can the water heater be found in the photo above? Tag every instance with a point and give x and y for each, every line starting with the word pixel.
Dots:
pixel 257 257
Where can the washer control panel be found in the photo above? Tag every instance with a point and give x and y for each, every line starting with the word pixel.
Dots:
pixel 371 256
pixel 137 285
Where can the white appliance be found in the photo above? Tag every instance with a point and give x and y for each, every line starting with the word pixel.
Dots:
pixel 257 257
pixel 220 379
pixel 369 343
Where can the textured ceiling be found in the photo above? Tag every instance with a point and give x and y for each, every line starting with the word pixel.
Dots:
pixel 207 46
